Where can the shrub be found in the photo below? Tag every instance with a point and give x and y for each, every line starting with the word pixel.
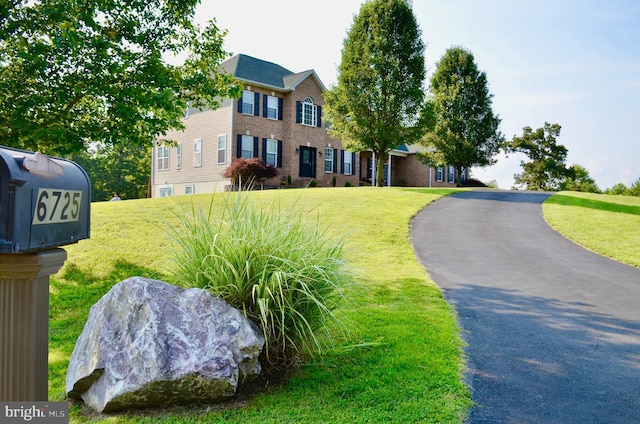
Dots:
pixel 249 171
pixel 285 274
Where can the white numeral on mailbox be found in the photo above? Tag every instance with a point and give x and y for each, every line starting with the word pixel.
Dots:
pixel 54 206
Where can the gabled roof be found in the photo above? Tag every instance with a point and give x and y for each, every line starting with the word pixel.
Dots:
pixel 267 74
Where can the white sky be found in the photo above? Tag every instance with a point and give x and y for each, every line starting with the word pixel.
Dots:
pixel 572 62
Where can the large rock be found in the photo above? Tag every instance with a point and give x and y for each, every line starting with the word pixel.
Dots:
pixel 148 343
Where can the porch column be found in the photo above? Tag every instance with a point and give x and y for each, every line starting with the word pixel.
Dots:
pixel 389 171
pixel 374 174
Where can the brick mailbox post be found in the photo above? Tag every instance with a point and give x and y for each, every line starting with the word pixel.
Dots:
pixel 44 203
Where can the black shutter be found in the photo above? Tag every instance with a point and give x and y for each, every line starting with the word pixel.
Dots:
pixel 280 108
pixel 239 146
pixel 298 112
pixel 256 140
pixel 335 161
pixel 256 102
pixel 353 163
pixel 240 104
pixel 264 105
pixel 342 161
pixel 319 116
pixel 279 164
pixel 264 150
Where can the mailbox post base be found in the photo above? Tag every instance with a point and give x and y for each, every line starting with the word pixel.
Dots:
pixel 24 323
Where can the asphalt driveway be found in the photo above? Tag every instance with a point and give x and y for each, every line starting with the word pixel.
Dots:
pixel 552 329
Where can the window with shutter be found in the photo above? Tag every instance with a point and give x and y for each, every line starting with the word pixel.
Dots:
pixel 309 113
pixel 271 152
pixel 328 160
pixel 347 164
pixel 271 108
pixel 248 100
pixel 246 147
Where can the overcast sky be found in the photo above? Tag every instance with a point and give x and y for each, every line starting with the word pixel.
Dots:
pixel 572 62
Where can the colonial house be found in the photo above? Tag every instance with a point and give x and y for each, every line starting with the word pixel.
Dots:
pixel 278 119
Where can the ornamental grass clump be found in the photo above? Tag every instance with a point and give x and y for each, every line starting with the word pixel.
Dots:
pixel 285 273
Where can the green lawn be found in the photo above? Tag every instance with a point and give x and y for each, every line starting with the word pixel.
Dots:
pixel 606 224
pixel 402 361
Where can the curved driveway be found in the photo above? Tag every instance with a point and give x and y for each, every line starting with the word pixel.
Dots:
pixel 552 330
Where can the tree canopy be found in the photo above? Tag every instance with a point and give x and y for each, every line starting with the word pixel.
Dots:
pixel 73 73
pixel 380 91
pixel 464 130
pixel 122 169
pixel 546 169
pixel 579 180
pixel 621 189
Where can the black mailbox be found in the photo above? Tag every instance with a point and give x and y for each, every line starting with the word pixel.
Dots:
pixel 44 202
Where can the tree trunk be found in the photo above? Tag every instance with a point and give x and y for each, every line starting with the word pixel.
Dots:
pixel 379 168
pixel 459 176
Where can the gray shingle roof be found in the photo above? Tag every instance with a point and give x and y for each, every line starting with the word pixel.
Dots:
pixel 256 70
pixel 265 73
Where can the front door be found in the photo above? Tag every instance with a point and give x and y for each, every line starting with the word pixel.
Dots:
pixel 308 162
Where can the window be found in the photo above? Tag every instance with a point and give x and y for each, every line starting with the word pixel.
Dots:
pixel 328 160
pixel 179 156
pixel 246 148
pixel 272 152
pixel 197 152
pixel 189 189
pixel 166 191
pixel 347 162
pixel 271 108
pixel 247 102
pixel 439 174
pixel 222 148
pixel 451 174
pixel 309 112
pixel 163 158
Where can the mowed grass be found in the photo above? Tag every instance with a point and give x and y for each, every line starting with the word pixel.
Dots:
pixel 401 362
pixel 606 224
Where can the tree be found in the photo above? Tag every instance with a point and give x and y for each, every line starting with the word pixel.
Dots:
pixel 249 171
pixel 634 189
pixel 464 130
pixel 380 90
pixel 618 189
pixel 123 169
pixel 547 168
pixel 72 73
pixel 579 180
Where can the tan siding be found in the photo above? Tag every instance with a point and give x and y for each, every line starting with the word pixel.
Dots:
pixel 206 125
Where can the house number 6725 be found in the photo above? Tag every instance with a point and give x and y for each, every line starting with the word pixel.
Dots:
pixel 55 206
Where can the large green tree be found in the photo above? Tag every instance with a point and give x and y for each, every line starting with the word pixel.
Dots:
pixel 380 91
pixel 122 169
pixel 546 168
pixel 464 130
pixel 579 180
pixel 75 72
